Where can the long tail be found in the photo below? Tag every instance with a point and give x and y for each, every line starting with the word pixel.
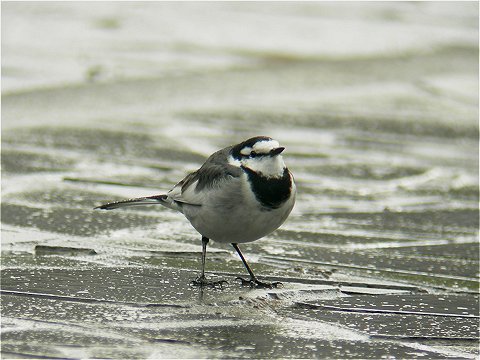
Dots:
pixel 150 200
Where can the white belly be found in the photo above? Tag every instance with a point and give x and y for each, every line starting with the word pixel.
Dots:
pixel 234 216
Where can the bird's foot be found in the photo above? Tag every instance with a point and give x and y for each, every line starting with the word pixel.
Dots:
pixel 255 283
pixel 202 282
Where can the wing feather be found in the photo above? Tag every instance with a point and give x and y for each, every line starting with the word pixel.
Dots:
pixel 213 174
pixel 193 189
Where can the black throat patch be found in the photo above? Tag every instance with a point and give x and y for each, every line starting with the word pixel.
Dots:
pixel 270 192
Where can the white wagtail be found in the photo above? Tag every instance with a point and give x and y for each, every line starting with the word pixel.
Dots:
pixel 240 194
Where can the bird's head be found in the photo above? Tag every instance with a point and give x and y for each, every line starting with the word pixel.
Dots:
pixel 260 154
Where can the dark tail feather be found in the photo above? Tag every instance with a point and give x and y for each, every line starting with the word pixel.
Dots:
pixel 150 200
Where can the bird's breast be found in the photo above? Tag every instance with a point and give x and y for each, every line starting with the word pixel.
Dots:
pixel 235 213
pixel 270 192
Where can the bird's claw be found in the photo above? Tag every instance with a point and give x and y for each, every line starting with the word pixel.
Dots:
pixel 202 282
pixel 255 283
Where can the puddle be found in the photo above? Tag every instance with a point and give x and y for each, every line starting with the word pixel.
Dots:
pixel 379 257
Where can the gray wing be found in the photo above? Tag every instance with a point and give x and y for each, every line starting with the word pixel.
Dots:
pixel 212 173
pixel 214 170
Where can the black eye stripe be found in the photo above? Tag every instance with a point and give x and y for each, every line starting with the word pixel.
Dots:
pixel 236 149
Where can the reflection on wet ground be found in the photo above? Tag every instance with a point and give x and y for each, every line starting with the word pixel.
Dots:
pixel 378 259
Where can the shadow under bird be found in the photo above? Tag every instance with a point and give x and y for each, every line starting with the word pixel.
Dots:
pixel 240 194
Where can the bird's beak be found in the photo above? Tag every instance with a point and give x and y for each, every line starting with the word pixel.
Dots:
pixel 276 151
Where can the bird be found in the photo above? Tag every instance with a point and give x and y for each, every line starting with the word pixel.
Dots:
pixel 240 194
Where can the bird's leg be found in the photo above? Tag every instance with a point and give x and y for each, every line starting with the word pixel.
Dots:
pixel 253 281
pixel 204 257
pixel 201 280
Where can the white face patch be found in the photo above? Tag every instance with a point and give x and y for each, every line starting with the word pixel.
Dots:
pixel 267 166
pixel 246 151
pixel 264 147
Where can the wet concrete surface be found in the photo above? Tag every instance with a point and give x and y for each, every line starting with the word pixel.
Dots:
pixel 379 258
